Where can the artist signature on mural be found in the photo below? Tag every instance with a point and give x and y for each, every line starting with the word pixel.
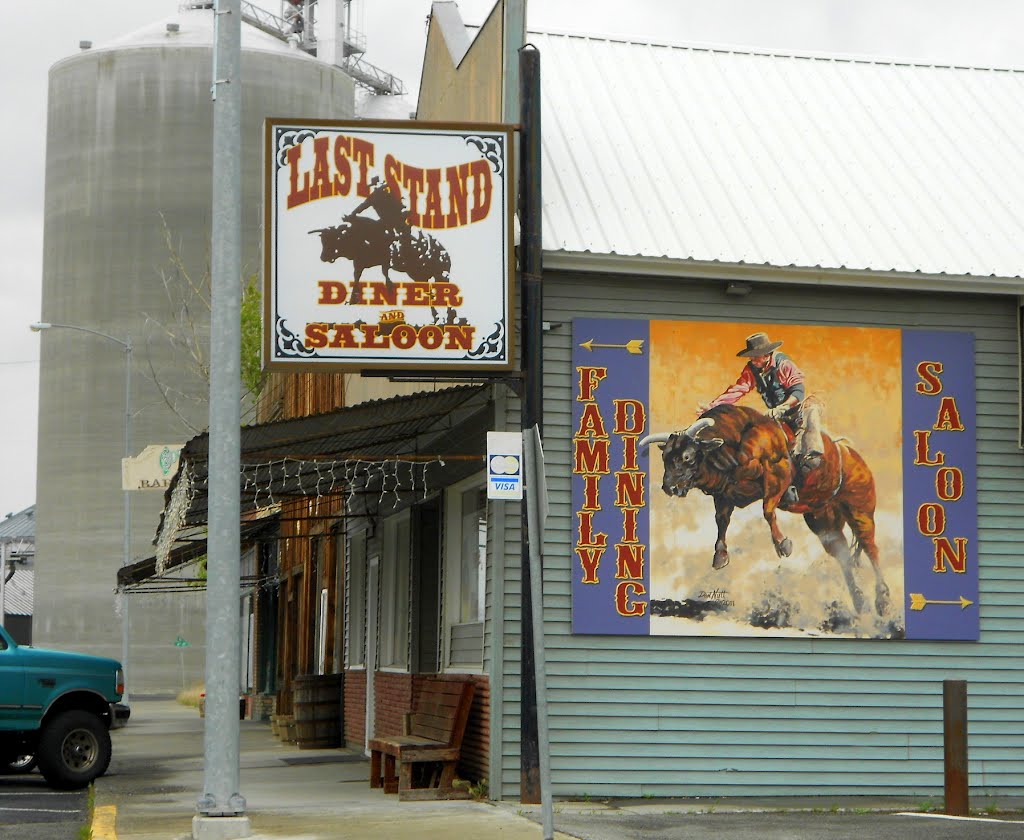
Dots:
pixel 716 596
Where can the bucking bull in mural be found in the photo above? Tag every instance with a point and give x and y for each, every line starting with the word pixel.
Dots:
pixel 739 455
pixel 386 241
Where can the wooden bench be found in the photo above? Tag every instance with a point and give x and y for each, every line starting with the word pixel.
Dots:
pixel 430 744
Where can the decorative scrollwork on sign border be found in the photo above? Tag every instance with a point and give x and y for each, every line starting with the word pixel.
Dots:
pixel 289 344
pixel 490 148
pixel 287 139
pixel 492 347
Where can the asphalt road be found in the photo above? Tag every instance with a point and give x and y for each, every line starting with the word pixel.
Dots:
pixel 30 809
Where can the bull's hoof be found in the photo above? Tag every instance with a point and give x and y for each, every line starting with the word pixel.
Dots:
pixel 882 601
pixel 784 548
pixel 721 560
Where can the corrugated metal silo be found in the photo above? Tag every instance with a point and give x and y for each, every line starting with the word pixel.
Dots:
pixel 128 151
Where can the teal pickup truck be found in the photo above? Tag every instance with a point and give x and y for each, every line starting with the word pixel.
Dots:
pixel 57 710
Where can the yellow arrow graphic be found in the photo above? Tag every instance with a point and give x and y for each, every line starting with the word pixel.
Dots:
pixel 636 346
pixel 919 602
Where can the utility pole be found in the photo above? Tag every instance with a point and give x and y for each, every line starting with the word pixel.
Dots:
pixel 4 552
pixel 532 397
pixel 222 808
pixel 126 532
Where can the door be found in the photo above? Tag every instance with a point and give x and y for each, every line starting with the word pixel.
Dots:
pixel 372 578
pixel 12 685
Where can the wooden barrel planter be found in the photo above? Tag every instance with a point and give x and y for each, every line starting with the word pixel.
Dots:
pixel 317 706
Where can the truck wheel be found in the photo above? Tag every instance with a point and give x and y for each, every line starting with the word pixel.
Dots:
pixel 20 764
pixel 74 749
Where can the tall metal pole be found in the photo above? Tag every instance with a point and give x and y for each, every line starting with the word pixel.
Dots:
pixel 535 517
pixel 222 807
pixel 4 552
pixel 532 402
pixel 126 548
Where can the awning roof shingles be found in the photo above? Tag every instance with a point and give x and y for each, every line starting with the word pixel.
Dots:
pixel 307 456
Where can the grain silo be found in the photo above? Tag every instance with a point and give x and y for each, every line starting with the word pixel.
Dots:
pixel 128 181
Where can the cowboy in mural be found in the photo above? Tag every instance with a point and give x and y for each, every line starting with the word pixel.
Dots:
pixel 780 383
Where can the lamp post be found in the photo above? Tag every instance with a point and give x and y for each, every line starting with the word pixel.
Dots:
pixel 126 346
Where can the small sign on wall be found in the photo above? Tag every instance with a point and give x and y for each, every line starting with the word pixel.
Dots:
pixel 151 469
pixel 505 465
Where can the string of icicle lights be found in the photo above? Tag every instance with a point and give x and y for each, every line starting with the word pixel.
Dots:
pixel 181 500
pixel 347 477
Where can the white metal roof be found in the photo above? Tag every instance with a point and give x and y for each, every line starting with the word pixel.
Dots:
pixel 724 156
pixel 19 593
pixel 19 527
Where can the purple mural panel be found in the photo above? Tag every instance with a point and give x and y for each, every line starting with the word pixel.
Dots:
pixel 611 577
pixel 940 486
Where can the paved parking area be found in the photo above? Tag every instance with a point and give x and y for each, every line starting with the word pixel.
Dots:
pixel 29 809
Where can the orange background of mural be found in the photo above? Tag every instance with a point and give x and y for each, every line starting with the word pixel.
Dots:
pixel 855 371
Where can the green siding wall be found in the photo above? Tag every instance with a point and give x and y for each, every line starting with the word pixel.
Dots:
pixel 678 716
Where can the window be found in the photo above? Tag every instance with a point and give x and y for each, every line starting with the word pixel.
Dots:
pixel 355 599
pixel 465 575
pixel 394 615
pixel 473 554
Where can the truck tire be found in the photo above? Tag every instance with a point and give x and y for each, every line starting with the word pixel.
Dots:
pixel 74 748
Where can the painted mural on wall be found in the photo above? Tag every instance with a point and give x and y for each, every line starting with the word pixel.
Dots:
pixel 773 479
pixel 388 245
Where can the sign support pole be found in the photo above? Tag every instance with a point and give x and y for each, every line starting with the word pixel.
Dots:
pixel 222 808
pixel 536 516
pixel 531 404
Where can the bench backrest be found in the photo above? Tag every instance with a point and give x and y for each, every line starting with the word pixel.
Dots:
pixel 441 711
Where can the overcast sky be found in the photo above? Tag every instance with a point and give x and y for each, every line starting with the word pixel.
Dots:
pixel 980 33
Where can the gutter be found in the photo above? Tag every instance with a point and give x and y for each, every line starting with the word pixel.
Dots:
pixel 763 274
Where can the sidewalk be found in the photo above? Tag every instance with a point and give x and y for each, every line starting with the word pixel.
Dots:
pixel 156 777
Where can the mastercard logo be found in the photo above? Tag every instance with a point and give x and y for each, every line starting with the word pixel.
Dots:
pixel 504 465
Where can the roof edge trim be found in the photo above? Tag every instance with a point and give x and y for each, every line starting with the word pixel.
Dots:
pixel 833 277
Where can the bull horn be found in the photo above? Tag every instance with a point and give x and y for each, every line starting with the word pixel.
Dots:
pixel 702 423
pixel 318 230
pixel 662 437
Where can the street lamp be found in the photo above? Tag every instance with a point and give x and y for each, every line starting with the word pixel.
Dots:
pixel 126 345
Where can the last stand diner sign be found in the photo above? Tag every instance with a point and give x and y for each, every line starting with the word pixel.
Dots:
pixel 388 246
pixel 771 479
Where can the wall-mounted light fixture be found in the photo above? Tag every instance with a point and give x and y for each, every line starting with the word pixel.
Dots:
pixel 736 289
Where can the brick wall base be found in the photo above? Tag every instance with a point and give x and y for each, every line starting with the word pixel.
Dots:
pixel 354 736
pixel 395 694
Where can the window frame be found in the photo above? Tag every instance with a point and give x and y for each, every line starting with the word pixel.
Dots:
pixel 393 652
pixel 355 601
pixel 452 583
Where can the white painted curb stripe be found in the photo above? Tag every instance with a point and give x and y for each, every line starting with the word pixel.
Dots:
pixel 43 810
pixel 963 819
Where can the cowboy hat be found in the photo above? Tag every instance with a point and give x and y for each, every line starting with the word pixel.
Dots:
pixel 758 344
